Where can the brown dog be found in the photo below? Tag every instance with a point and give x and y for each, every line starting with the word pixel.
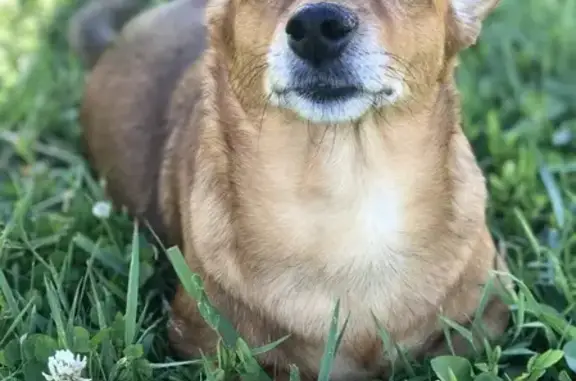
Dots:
pixel 301 152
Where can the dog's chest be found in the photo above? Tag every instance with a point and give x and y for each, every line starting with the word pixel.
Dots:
pixel 342 242
pixel 356 218
pixel 343 245
pixel 358 226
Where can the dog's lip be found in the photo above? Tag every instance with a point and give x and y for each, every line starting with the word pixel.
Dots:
pixel 327 92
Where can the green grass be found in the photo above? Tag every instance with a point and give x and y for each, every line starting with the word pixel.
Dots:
pixel 69 279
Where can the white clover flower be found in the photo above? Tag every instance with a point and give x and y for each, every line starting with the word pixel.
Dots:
pixel 102 209
pixel 64 366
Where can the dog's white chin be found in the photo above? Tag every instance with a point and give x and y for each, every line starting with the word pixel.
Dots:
pixel 332 111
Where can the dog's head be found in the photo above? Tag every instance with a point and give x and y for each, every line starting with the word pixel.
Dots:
pixel 332 61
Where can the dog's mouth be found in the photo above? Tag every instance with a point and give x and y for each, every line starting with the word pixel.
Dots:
pixel 326 93
pixel 330 95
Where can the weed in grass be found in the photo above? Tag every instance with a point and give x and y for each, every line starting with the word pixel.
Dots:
pixel 95 284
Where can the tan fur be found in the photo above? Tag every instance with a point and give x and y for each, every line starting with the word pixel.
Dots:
pixel 281 217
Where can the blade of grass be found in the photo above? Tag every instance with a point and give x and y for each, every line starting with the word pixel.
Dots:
pixel 389 345
pixel 56 313
pixel 133 286
pixel 8 294
pixel 107 349
pixel 268 347
pixel 21 208
pixel 332 344
pixel 528 231
pixel 294 373
pixel 554 193
pixel 193 285
pixel 16 325
pixel 465 333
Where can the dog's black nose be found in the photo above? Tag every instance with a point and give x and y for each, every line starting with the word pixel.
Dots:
pixel 319 32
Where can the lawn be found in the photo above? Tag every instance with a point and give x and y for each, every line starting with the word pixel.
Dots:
pixel 70 277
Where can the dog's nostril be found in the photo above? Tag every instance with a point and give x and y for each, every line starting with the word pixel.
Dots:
pixel 296 30
pixel 335 29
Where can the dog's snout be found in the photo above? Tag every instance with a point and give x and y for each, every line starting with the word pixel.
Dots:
pixel 320 32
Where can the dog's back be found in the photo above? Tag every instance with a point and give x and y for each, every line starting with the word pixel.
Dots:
pixel 133 75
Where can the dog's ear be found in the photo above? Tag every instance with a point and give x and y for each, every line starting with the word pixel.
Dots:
pixel 466 20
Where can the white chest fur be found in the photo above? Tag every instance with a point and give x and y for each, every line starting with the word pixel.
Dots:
pixel 344 244
pixel 341 239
